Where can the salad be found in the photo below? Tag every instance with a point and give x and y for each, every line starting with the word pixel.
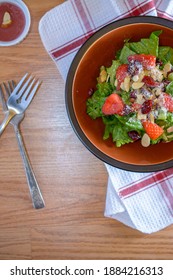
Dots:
pixel 134 96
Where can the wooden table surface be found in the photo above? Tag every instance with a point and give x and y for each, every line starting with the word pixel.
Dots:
pixel 73 181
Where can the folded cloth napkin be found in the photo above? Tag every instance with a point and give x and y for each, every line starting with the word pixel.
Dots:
pixel 143 201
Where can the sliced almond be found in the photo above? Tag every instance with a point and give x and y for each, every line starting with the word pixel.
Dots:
pixel 107 79
pixel 151 117
pixel 127 84
pixel 141 116
pixel 122 86
pixel 167 68
pixel 157 91
pixel 170 136
pixel 116 83
pixel 103 76
pixel 137 85
pixel 170 129
pixel 139 99
pixel 6 19
pixel 145 141
pixel 141 75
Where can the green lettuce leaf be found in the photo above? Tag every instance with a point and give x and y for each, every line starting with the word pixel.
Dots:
pixel 165 54
pixel 114 128
pixel 96 101
pixel 110 122
pixel 131 122
pixel 147 45
pixel 169 88
pixel 167 122
pixel 112 70
pixel 120 135
pixel 125 52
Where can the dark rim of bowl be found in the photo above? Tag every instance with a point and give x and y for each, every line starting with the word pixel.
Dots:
pixel 69 102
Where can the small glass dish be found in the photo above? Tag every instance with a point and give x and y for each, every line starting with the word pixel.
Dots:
pixel 15 21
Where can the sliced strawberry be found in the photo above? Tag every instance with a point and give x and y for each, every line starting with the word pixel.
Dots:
pixel 152 129
pixel 121 73
pixel 148 61
pixel 168 102
pixel 113 105
pixel 150 82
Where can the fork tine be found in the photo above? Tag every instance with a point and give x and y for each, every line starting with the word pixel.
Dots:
pixel 15 91
pixel 10 87
pixel 4 106
pixel 13 84
pixel 24 87
pixel 32 93
pixel 24 96
pixel 7 89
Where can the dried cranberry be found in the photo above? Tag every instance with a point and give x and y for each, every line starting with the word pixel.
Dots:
pixel 134 135
pixel 159 62
pixel 150 82
pixel 90 91
pixel 165 83
pixel 133 94
pixel 146 107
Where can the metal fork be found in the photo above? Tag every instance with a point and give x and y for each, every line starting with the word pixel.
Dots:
pixel 20 99
pixel 36 195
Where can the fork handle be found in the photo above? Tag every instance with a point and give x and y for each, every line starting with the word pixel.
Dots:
pixel 36 196
pixel 8 116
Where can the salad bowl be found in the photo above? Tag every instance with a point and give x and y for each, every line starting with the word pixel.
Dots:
pixel 98 51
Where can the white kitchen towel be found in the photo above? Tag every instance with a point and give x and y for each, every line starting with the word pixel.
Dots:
pixel 143 201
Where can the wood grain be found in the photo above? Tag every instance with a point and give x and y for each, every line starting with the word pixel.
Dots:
pixel 72 180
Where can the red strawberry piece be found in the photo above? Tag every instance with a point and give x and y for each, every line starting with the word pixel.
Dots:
pixel 113 105
pixel 150 82
pixel 152 129
pixel 168 102
pixel 148 61
pixel 121 73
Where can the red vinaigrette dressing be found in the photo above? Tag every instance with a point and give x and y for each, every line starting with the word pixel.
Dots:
pixel 13 30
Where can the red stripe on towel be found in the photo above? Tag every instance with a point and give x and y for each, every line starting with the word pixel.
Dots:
pixel 140 9
pixel 66 49
pixel 83 16
pixel 148 182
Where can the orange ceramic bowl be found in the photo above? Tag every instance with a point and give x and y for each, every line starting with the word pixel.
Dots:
pixel 100 50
